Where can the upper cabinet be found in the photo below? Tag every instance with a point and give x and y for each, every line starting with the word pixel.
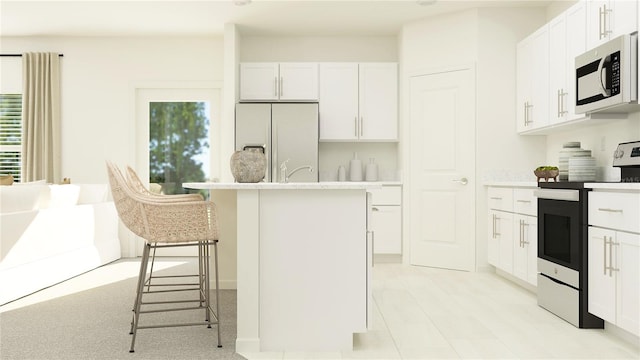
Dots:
pixel 278 81
pixel 608 19
pixel 533 81
pixel 358 102
pixel 546 74
pixel 564 45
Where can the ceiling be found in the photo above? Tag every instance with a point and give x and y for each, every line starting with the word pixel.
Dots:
pixel 207 17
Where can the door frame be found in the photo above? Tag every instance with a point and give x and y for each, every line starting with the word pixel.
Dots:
pixel 405 140
pixel 140 160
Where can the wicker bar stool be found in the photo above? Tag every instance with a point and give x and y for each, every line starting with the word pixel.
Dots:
pixel 167 221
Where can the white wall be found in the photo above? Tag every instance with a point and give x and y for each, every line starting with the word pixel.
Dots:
pixel 486 38
pixel 98 76
pixel 98 80
pixel 602 139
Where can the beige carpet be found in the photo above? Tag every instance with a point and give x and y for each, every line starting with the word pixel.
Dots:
pixel 94 324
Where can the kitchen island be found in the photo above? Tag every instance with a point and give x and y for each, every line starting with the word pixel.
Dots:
pixel 303 260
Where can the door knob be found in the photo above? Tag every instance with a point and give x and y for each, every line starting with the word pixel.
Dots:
pixel 463 181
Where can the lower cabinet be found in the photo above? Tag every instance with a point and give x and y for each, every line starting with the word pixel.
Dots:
pixel 614 277
pixel 513 232
pixel 525 248
pixel 386 220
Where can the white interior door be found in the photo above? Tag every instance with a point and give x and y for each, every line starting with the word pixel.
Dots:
pixel 442 169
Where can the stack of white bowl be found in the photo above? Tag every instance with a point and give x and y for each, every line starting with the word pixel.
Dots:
pixel 582 168
pixel 575 163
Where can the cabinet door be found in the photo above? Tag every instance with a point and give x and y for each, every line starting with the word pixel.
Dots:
pixel 386 225
pixel 608 19
pixel 378 101
pixel 504 234
pixel 525 248
pixel 557 68
pixel 532 78
pixel 299 81
pixel 493 241
pixel 623 17
pixel 576 44
pixel 338 101
pixel 628 294
pixel 259 81
pixel 602 285
pixel 539 111
pixel 524 60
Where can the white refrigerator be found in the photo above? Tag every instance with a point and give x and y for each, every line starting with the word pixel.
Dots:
pixel 287 133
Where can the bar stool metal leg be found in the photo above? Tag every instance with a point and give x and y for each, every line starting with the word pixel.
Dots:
pixel 136 312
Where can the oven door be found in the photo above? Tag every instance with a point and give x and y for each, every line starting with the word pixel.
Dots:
pixel 559 229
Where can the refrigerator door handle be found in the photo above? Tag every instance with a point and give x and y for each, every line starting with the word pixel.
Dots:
pixel 274 151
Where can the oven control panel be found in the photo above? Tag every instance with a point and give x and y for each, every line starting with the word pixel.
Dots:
pixel 627 154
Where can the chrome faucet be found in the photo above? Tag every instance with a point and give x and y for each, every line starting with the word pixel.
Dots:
pixel 284 177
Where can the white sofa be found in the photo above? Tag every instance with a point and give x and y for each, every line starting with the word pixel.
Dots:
pixel 50 233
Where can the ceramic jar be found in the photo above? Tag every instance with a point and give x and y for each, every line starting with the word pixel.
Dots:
pixel 248 166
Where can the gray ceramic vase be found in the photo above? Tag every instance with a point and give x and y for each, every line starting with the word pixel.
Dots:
pixel 248 166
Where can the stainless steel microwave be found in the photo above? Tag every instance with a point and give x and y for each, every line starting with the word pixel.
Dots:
pixel 607 77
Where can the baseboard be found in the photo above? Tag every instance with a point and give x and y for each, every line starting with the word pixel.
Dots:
pixel 247 346
pixel 517 281
pixel 622 334
pixel 387 258
pixel 225 284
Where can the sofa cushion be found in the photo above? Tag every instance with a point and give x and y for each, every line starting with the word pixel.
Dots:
pixel 23 197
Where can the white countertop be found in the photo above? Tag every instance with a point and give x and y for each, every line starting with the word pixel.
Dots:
pixel 614 186
pixel 342 185
pixel 512 183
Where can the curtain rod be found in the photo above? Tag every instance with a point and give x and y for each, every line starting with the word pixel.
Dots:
pixel 19 55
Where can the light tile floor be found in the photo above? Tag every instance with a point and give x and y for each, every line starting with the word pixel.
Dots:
pixel 427 313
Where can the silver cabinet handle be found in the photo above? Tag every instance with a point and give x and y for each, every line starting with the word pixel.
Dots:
pixel 610 210
pixel 524 201
pixel 355 126
pixel 496 227
pixel 275 86
pixel 375 209
pixel 524 233
pixel 521 234
pixel 604 255
pixel 562 104
pixel 361 126
pixel 495 198
pixel 610 255
pixel 462 181
pixel 525 113
pixel 281 88
pixel 611 245
pixel 558 101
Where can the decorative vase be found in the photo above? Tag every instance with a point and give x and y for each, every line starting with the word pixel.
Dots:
pixel 248 166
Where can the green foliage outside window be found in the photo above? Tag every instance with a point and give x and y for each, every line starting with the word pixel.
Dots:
pixel 178 133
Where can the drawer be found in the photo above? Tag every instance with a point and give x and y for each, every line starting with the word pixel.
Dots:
pixel 387 195
pixel 524 202
pixel 615 210
pixel 500 198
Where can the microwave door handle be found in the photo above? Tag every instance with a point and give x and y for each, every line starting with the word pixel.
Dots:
pixel 602 71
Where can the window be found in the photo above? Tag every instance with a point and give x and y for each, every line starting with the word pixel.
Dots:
pixel 10 135
pixel 178 144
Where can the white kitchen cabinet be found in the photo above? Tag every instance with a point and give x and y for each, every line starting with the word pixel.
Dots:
pixel 608 19
pixel 513 231
pixel 386 220
pixel 614 277
pixel 358 102
pixel 278 81
pixel 525 248
pixel 532 76
pixel 566 41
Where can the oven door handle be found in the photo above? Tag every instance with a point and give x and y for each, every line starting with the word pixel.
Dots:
pixel 557 194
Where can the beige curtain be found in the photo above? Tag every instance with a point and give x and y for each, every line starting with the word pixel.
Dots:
pixel 41 117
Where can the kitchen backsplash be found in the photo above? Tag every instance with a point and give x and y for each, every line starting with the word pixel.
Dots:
pixel 335 154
